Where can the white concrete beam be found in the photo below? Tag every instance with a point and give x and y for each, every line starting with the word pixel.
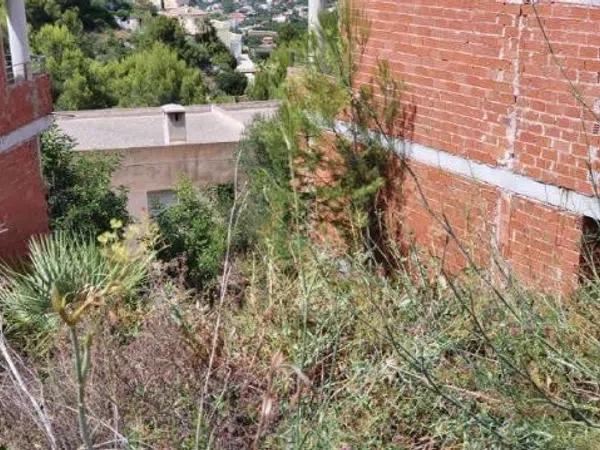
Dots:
pixel 24 134
pixel 500 177
pixel 17 37
pixel 314 9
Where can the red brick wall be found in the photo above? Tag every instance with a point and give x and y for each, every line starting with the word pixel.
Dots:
pixel 473 66
pixel 454 219
pixel 24 102
pixel 484 85
pixel 423 211
pixel 22 199
pixel 23 209
pixel 542 244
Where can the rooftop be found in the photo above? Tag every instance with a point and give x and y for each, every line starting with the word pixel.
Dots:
pixel 183 11
pixel 118 128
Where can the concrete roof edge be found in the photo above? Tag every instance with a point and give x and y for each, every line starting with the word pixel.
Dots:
pixel 112 112
pixel 155 147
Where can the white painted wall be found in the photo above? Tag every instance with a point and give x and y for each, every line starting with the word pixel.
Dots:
pixel 17 37
pixel 314 8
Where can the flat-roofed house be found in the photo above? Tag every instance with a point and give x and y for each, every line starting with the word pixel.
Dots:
pixel 159 145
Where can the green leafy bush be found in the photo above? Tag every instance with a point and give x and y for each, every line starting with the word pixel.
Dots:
pixel 272 73
pixel 274 211
pixel 193 227
pixel 232 82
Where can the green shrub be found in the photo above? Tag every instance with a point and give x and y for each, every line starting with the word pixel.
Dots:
pixel 274 211
pixel 77 268
pixel 194 228
pixel 308 177
pixel 232 82
pixel 80 196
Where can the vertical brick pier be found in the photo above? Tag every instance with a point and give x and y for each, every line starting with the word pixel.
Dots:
pixel 25 106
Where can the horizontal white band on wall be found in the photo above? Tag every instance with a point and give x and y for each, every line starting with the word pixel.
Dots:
pixel 574 2
pixel 500 177
pixel 25 133
pixel 582 2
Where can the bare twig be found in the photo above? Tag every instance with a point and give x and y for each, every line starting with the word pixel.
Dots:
pixel 43 419
pixel 109 427
pixel 234 213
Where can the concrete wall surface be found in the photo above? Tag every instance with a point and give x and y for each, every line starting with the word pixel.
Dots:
pixel 158 169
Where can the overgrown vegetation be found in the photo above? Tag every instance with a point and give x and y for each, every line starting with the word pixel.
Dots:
pixel 304 166
pixel 336 356
pixel 318 332
pixel 272 73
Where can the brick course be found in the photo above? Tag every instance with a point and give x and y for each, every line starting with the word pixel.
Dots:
pixel 541 244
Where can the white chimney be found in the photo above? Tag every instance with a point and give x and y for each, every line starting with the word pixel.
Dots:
pixel 174 130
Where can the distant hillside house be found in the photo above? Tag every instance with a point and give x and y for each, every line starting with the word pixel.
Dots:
pixel 233 41
pixel 188 17
pixel 247 67
pixel 159 145
pixel 236 18
pixel 169 4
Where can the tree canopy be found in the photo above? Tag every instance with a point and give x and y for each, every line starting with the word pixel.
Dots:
pixel 93 14
pixel 157 64
pixel 153 77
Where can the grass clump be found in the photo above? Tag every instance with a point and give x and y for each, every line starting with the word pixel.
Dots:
pixel 395 362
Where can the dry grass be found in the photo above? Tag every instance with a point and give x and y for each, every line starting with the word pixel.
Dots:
pixel 331 355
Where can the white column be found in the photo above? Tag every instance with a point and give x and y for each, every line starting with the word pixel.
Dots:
pixel 314 8
pixel 17 37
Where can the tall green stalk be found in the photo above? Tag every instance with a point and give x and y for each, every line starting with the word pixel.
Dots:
pixel 82 368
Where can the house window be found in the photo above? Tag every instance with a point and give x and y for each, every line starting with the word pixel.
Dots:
pixel 590 249
pixel 159 200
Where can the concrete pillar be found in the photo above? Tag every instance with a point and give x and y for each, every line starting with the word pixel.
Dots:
pixel 314 8
pixel 17 37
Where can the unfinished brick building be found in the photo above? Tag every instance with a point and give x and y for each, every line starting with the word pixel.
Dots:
pixel 25 105
pixel 504 137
